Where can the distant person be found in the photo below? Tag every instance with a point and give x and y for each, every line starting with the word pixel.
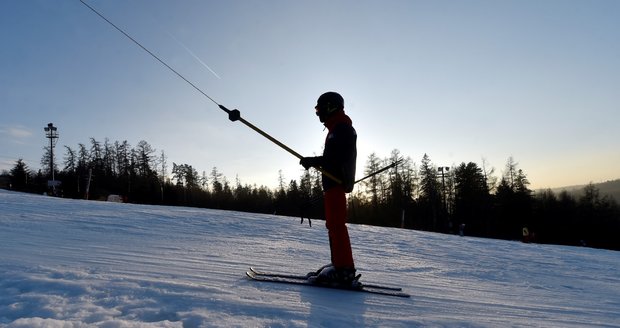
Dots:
pixel 338 160
pixel 526 235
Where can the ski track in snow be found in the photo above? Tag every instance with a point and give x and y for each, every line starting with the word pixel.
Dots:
pixel 75 263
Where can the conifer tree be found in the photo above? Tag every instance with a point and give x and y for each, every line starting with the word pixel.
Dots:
pixel 20 176
pixel 430 197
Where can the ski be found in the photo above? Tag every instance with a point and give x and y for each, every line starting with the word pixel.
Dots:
pixel 298 280
pixel 305 277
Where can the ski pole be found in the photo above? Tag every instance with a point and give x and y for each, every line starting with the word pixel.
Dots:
pixel 316 199
pixel 233 115
pixel 379 171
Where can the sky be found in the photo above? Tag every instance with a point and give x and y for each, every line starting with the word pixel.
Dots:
pixel 461 81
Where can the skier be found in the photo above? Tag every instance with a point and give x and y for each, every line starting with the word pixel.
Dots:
pixel 339 157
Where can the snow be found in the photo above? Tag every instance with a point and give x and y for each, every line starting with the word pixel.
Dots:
pixel 76 263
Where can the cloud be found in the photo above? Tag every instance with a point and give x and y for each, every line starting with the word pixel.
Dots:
pixel 15 133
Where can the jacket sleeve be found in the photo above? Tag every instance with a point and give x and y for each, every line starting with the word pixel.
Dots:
pixel 339 156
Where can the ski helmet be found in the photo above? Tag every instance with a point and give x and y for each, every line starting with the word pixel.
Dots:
pixel 327 104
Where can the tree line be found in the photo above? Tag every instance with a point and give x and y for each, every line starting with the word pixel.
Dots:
pixel 468 199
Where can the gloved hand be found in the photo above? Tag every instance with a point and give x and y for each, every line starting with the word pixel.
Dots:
pixel 308 162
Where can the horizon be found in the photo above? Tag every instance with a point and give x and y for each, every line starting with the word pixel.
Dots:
pixel 274 186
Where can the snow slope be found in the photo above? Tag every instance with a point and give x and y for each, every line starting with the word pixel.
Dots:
pixel 74 263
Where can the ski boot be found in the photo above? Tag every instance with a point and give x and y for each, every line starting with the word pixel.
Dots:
pixel 330 275
pixel 317 272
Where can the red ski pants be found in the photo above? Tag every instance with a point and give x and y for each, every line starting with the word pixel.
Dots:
pixel 335 221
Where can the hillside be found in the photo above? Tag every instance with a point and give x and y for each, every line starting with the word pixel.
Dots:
pixel 611 188
pixel 75 263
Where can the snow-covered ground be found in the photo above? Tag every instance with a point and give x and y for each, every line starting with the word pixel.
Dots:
pixel 74 263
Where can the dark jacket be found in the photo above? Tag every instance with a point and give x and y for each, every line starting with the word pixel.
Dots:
pixel 340 153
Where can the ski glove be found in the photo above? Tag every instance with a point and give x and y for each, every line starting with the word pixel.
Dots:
pixel 308 162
